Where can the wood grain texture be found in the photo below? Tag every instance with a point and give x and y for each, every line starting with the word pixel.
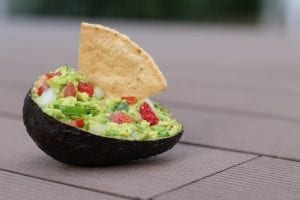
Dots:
pixel 245 133
pixel 260 179
pixel 236 97
pixel 141 179
pixel 14 186
pixel 12 101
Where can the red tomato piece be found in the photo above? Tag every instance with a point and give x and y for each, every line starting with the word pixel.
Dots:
pixel 79 123
pixel 52 74
pixel 42 88
pixel 87 88
pixel 120 118
pixel 70 90
pixel 130 100
pixel 147 114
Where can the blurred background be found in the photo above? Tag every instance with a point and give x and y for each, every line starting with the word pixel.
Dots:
pixel 189 10
pixel 202 11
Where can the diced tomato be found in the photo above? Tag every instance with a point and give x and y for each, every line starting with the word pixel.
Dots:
pixel 148 114
pixel 87 88
pixel 120 118
pixel 130 100
pixel 42 88
pixel 79 123
pixel 52 74
pixel 70 90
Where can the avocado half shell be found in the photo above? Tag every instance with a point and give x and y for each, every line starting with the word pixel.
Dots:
pixel 74 146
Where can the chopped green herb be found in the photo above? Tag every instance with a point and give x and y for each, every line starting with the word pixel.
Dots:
pixel 120 106
pixel 73 110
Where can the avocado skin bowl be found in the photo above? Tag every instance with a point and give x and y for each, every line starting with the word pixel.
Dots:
pixel 74 146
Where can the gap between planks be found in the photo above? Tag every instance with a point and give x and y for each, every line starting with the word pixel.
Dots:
pixel 70 185
pixel 200 179
pixel 124 196
pixel 238 151
pixel 18 117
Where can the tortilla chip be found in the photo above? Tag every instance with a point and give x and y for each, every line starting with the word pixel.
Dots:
pixel 116 64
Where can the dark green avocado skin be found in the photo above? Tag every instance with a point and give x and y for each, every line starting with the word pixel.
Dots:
pixel 73 146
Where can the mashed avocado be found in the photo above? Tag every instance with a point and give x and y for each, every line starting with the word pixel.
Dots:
pixel 67 96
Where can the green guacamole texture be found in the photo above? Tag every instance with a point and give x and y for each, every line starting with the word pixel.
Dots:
pixel 96 111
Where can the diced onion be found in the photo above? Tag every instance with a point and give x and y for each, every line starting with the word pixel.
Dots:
pixel 136 135
pixel 148 100
pixel 98 93
pixel 98 129
pixel 47 97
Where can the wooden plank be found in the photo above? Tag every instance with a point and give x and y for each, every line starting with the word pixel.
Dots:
pixel 136 179
pixel 273 100
pixel 244 98
pixel 260 179
pixel 280 106
pixel 205 45
pixel 258 73
pixel 278 98
pixel 14 186
pixel 12 101
pixel 274 136
pixel 245 133
pixel 249 76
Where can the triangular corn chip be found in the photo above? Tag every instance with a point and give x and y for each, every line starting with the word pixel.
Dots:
pixel 116 64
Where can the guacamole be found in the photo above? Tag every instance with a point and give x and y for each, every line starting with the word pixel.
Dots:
pixel 69 97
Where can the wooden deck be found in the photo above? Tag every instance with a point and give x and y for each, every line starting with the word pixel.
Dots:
pixel 236 89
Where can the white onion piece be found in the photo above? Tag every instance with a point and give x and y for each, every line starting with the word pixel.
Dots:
pixel 148 101
pixel 135 135
pixel 47 97
pixel 97 128
pixel 98 93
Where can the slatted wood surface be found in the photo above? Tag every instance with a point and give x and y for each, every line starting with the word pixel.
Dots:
pixel 15 186
pixel 234 88
pixel 263 178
